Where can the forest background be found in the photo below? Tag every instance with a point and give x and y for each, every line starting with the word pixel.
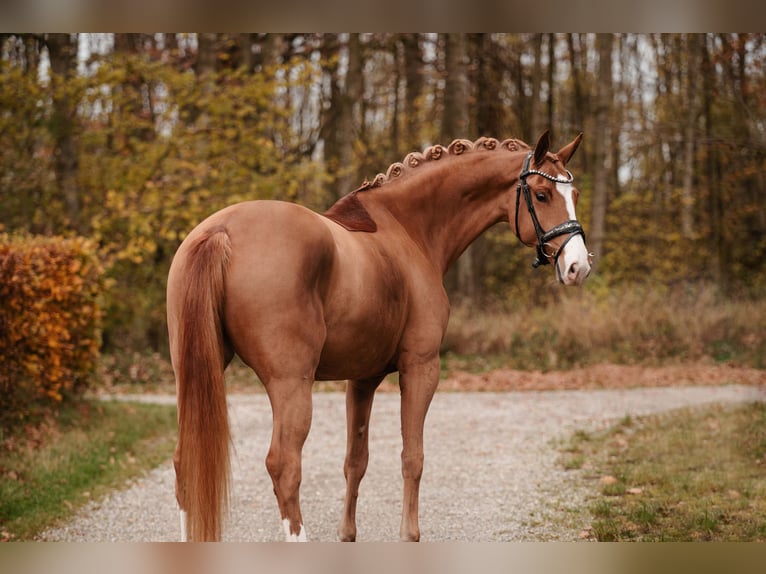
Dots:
pixel 131 139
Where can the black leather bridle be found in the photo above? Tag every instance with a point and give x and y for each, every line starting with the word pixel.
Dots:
pixel 571 227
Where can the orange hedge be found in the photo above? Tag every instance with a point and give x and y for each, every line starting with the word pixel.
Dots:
pixel 50 322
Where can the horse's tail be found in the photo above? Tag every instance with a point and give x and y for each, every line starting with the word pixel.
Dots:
pixel 202 454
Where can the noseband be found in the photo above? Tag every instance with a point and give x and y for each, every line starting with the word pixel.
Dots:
pixel 571 227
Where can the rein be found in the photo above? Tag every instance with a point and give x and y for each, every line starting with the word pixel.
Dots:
pixel 571 227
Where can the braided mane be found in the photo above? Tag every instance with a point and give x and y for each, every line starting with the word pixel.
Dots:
pixel 349 211
pixel 436 152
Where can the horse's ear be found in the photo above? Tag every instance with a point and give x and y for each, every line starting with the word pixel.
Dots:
pixel 566 152
pixel 542 147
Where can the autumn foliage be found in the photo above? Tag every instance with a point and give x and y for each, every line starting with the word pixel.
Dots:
pixel 135 144
pixel 49 322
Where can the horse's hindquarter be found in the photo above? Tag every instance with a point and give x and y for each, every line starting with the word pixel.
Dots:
pixel 280 256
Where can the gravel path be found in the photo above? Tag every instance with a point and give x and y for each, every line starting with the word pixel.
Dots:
pixel 491 471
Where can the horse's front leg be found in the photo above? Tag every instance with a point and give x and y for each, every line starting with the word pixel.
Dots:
pixel 359 396
pixel 418 382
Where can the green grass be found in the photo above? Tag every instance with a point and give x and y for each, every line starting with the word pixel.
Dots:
pixel 90 448
pixel 691 475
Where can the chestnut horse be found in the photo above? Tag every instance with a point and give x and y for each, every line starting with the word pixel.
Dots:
pixel 354 293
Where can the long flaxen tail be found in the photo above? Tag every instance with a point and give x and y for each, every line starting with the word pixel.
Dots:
pixel 202 454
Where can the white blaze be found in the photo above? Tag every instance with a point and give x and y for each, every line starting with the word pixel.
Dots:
pixel 575 253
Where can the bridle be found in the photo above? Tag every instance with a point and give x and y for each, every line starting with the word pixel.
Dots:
pixel 571 227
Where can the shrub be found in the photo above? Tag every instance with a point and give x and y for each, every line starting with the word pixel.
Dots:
pixel 49 323
pixel 633 324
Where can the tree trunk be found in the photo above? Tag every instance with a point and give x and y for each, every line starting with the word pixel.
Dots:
pixel 690 120
pixel 32 53
pixel 580 103
pixel 340 119
pixel 604 98
pixel 395 135
pixel 62 51
pixel 535 117
pixel 330 54
pixel 134 87
pixel 712 170
pixel 206 51
pixel 272 48
pixel 456 119
pixel 551 75
pixel 456 124
pixel 348 120
pixel 413 74
pixel 488 82
pixel 245 43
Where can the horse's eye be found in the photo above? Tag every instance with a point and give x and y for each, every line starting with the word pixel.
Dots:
pixel 541 197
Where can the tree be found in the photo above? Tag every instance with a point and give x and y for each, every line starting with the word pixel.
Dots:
pixel 414 72
pixel 577 50
pixel 601 144
pixel 162 129
pixel 456 118
pixel 456 123
pixel 491 113
pixel 62 52
pixel 341 121
pixel 692 77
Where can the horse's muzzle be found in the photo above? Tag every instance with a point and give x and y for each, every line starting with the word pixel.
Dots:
pixel 574 264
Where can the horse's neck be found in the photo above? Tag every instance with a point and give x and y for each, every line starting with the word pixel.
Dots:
pixel 448 205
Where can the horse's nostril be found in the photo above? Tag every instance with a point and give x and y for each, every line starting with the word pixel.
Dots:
pixel 572 270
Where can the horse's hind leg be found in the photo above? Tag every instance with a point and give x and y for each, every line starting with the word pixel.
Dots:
pixel 359 396
pixel 291 405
